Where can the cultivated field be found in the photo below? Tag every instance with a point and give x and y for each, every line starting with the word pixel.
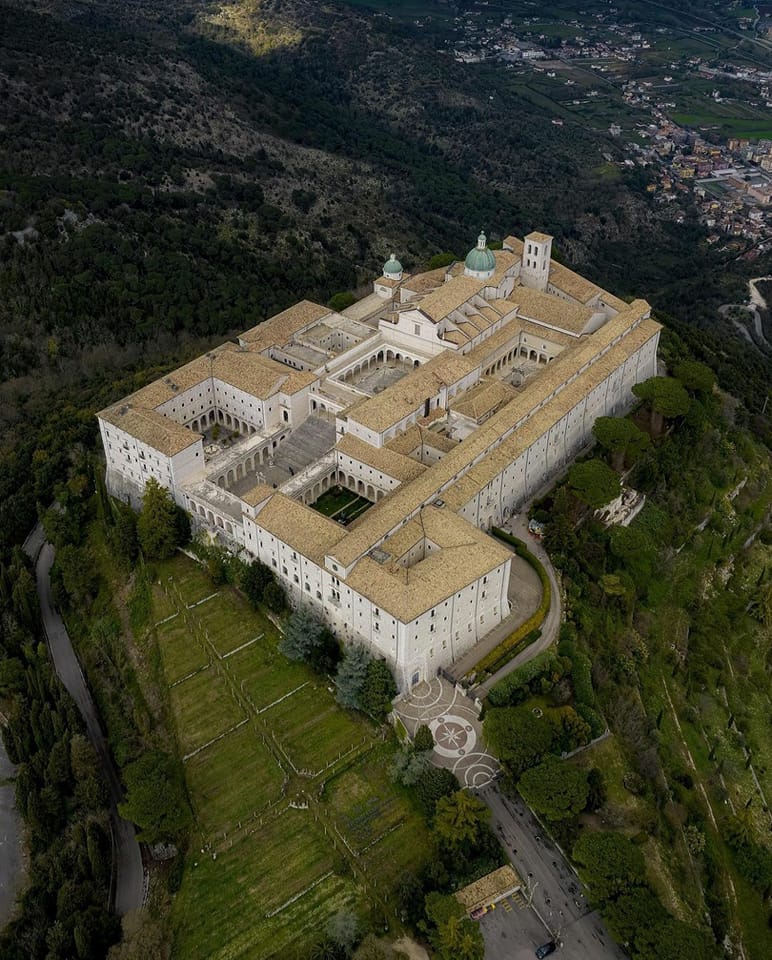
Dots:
pixel 295 814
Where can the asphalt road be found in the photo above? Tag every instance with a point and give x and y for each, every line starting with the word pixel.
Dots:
pixel 559 910
pixel 129 884
pixel 518 525
pixel 11 849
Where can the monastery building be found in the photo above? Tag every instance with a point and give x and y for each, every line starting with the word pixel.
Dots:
pixel 417 418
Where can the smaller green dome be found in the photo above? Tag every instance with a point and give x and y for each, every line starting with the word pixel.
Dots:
pixel 392 267
pixel 480 260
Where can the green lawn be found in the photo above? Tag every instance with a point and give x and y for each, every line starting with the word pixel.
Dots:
pixel 189 580
pixel 220 912
pixel 163 605
pixel 222 799
pixel 732 126
pixel 378 819
pixel 266 674
pixel 365 803
pixel 338 502
pixel 227 620
pixel 314 730
pixel 181 652
pixel 203 708
pixel 279 852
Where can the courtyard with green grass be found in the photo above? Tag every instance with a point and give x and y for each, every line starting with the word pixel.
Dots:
pixel 295 814
pixel 340 504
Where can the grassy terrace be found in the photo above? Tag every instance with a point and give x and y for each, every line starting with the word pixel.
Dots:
pixel 294 810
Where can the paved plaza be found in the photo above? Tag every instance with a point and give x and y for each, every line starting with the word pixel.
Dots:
pixel 454 722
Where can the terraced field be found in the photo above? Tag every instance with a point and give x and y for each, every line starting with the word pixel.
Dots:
pixel 295 814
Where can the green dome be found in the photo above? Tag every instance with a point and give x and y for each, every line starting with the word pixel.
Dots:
pixel 392 266
pixel 480 260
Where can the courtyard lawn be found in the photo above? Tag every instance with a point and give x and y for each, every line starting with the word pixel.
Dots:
pixel 338 502
pixel 314 730
pixel 265 673
pixel 221 909
pixel 203 708
pixel 223 799
pixel 181 653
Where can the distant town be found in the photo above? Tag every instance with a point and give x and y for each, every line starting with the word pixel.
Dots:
pixel 667 111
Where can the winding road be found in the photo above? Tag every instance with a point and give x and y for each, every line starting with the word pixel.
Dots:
pixel 129 882
pixel 518 526
pixel 755 303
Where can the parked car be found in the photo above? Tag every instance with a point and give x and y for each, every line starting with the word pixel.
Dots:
pixel 546 949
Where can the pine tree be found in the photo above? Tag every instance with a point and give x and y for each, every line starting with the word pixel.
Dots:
pixel 351 676
pixel 157 526
pixel 303 635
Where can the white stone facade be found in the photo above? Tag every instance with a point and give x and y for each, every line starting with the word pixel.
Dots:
pixel 451 407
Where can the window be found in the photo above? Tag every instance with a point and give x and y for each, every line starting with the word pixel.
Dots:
pixel 417 329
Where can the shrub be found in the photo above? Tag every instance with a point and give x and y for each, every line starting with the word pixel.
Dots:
pixel 274 597
pixel 555 789
pixel 591 717
pixel 423 739
pixel 581 676
pixel 519 684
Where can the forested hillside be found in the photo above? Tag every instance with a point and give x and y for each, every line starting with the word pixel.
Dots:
pixel 188 168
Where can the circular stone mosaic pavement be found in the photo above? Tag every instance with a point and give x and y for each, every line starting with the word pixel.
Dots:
pixel 453 736
pixel 454 722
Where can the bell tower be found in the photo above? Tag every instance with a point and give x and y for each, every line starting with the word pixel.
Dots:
pixel 535 268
